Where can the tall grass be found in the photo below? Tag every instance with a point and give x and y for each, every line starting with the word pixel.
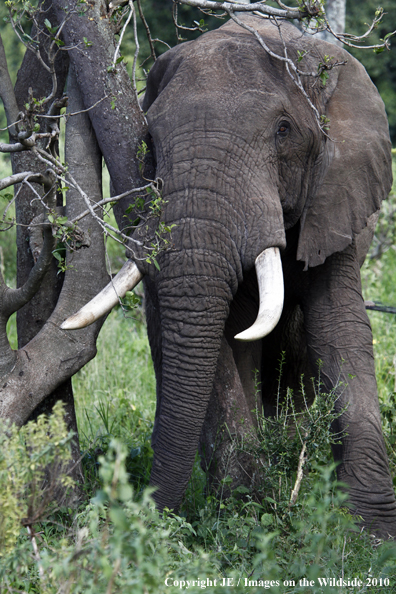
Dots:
pixel 116 391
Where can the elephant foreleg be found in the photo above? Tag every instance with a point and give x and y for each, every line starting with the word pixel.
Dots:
pixel 339 334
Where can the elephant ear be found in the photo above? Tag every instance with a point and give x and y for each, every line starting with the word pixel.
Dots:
pixel 354 174
pixel 162 72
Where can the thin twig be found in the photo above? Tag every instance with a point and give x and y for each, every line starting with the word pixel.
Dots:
pixel 297 484
pixel 109 201
pixel 289 64
pixel 74 113
pixel 343 558
pixel 35 551
pixel 117 50
pixel 148 32
pixel 117 565
pixel 289 13
pixel 137 49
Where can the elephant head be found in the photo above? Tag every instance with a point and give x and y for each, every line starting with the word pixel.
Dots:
pixel 248 174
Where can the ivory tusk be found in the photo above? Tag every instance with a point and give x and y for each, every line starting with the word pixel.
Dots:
pixel 125 280
pixel 270 281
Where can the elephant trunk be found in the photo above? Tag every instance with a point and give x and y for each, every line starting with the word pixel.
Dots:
pixel 193 309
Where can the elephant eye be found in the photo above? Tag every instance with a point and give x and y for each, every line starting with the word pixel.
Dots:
pixel 283 129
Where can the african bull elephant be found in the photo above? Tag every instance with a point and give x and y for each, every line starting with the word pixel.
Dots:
pixel 253 186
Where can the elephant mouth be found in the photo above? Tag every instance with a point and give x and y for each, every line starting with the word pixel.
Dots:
pixel 270 282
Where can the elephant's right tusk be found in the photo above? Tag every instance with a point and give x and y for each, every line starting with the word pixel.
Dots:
pixel 125 280
pixel 270 281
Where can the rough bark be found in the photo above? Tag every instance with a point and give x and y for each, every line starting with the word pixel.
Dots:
pixel 32 317
pixel 50 357
pixel 7 92
pixel 117 120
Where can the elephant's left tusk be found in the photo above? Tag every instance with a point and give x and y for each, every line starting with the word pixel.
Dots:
pixel 125 280
pixel 270 281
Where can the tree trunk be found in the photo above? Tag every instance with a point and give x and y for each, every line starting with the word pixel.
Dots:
pixel 50 357
pixel 118 120
pixel 32 317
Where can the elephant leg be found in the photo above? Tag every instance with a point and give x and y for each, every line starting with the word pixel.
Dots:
pixel 246 356
pixel 339 334
pixel 230 419
pixel 285 364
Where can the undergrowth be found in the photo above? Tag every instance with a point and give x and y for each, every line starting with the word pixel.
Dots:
pixel 296 529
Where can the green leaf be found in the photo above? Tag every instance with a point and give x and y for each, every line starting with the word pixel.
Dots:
pixel 241 489
pixel 100 498
pixel 324 76
pixel 227 480
pixel 267 520
pixel 270 500
pixel 27 39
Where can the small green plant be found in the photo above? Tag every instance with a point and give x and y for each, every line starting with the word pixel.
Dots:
pixel 141 155
pixel 325 122
pixel 324 67
pixel 291 442
pixel 32 463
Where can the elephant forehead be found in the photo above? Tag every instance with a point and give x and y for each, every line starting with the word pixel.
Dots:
pixel 228 74
pixel 227 67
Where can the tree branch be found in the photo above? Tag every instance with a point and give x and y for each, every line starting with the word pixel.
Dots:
pixel 14 299
pixel 7 93
pixel 286 13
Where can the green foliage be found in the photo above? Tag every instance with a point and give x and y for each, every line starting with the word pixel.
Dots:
pixel 116 396
pixel 381 68
pixel 68 235
pixel 379 284
pixel 119 544
pixel 32 459
pixel 158 14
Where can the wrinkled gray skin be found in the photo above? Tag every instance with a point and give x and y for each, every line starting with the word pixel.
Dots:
pixel 236 183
